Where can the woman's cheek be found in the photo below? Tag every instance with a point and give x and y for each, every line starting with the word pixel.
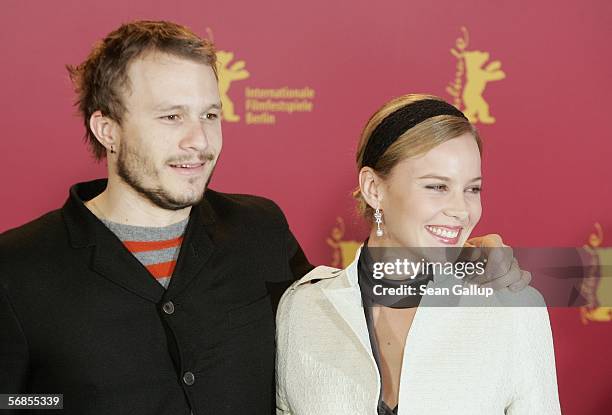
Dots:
pixel 476 213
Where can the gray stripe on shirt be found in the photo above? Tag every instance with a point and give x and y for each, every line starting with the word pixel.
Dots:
pixel 146 233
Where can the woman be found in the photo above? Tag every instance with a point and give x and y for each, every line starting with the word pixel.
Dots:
pixel 345 349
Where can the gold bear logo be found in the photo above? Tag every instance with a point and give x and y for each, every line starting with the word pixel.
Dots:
pixel 228 74
pixel 343 251
pixel 477 77
pixel 597 286
pixel 471 65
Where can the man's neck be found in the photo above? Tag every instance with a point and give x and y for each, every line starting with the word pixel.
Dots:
pixel 121 204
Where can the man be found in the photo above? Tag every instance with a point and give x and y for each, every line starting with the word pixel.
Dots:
pixel 146 293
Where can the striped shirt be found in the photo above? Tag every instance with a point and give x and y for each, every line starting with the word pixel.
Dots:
pixel 157 248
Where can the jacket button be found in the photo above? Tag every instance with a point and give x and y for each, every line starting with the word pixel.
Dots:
pixel 189 378
pixel 168 307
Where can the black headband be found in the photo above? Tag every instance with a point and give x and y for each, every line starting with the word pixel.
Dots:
pixel 400 121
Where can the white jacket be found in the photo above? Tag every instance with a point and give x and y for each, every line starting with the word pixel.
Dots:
pixel 457 360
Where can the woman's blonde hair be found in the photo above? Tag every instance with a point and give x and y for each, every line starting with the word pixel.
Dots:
pixel 414 142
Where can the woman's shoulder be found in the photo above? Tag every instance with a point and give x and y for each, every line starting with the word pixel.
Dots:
pixel 318 274
pixel 507 312
pixel 526 309
pixel 309 289
pixel 527 297
pixel 319 277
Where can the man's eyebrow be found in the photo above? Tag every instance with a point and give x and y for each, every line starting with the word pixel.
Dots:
pixel 170 107
pixel 446 179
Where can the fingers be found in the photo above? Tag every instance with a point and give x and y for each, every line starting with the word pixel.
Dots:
pixel 470 253
pixel 499 263
pixel 502 269
pixel 492 240
pixel 522 283
pixel 517 286
pixel 499 257
pixel 474 254
pixel 505 280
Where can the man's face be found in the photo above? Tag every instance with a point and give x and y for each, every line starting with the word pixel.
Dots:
pixel 170 137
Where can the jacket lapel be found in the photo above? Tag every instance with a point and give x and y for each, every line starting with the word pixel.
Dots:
pixel 115 263
pixel 344 295
pixel 346 299
pixel 347 302
pixel 196 250
pixel 110 258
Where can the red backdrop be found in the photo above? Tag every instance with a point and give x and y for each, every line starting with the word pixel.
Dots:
pixel 541 68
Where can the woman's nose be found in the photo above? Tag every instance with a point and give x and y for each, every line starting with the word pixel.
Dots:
pixel 457 208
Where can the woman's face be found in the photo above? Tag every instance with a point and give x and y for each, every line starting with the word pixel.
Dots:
pixel 433 200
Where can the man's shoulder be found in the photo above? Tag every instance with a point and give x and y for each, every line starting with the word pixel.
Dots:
pixel 245 208
pixel 32 243
pixel 38 232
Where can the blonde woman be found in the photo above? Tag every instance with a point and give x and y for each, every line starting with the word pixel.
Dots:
pixel 419 162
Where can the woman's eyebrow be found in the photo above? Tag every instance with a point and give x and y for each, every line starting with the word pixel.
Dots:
pixel 446 179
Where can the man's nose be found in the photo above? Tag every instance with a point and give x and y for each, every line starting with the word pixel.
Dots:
pixel 196 136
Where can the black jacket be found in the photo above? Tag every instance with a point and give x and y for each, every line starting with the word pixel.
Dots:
pixel 80 316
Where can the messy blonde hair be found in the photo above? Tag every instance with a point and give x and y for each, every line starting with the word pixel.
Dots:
pixel 100 79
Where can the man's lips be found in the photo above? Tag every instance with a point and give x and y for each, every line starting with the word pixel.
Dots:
pixel 191 168
pixel 444 233
pixel 187 165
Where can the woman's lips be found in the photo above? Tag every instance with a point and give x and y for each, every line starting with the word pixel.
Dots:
pixel 448 235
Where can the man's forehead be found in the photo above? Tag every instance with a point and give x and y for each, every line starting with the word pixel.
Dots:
pixel 155 61
pixel 160 76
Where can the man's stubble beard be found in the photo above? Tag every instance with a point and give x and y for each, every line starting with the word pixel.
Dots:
pixel 131 168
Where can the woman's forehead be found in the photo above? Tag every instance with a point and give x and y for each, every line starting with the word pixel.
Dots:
pixel 457 158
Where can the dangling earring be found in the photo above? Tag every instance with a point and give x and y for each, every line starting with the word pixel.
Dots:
pixel 112 149
pixel 378 220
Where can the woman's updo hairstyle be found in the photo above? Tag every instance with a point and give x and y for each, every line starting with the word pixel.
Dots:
pixel 382 146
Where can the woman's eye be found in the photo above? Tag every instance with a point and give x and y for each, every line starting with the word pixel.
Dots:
pixel 171 117
pixel 475 189
pixel 212 116
pixel 437 187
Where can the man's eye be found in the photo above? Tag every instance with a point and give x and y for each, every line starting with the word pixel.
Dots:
pixel 437 187
pixel 475 189
pixel 171 117
pixel 212 116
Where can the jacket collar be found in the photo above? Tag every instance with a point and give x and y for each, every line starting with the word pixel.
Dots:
pixel 82 224
pixel 344 295
pixel 347 276
pixel 113 261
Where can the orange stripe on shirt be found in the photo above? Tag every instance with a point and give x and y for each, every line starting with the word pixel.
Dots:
pixel 142 246
pixel 162 270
